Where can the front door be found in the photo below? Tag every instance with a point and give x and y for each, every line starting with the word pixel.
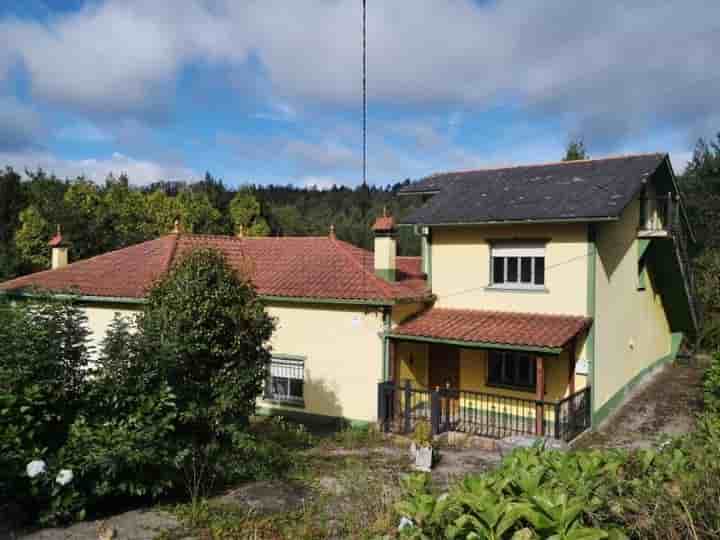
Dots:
pixel 444 366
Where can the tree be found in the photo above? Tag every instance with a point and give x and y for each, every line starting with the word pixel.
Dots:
pixel 245 212
pixel 206 331
pixel 31 239
pixel 575 151
pixel 701 189
pixel 126 212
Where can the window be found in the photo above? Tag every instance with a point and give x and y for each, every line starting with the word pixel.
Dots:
pixel 518 265
pixel 511 368
pixel 285 381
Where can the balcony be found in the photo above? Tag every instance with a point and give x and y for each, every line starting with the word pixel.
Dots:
pixel 657 216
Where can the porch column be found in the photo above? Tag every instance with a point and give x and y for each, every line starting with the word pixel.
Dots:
pixel 392 356
pixel 571 366
pixel 539 395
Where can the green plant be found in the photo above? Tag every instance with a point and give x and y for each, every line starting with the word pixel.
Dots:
pixel 711 385
pixel 422 436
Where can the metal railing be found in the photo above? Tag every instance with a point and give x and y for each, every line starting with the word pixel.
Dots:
pixel 402 407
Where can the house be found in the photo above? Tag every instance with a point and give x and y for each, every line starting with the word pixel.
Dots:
pixel 556 288
pixel 543 294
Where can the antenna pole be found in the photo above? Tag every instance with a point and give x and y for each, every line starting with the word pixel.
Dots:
pixel 364 89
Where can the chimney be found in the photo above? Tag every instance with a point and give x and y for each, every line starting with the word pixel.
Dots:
pixel 60 247
pixel 385 247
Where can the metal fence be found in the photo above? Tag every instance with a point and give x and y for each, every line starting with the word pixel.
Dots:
pixel 402 407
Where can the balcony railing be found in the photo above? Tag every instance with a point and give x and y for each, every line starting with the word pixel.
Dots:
pixel 402 407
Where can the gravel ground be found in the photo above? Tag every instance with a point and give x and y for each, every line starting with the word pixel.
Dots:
pixel 663 406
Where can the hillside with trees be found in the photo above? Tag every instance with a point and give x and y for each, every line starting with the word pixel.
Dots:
pixel 98 218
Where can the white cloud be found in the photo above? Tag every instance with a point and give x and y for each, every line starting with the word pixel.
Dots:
pixel 606 70
pixel 20 125
pixel 140 172
pixel 321 183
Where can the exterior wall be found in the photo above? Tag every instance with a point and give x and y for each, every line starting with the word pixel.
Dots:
pixel 343 352
pixel 631 328
pixel 413 364
pixel 461 268
pixel 342 348
pixel 99 319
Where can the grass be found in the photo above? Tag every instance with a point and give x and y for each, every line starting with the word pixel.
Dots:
pixel 351 478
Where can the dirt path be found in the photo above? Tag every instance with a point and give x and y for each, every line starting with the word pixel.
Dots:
pixel 663 406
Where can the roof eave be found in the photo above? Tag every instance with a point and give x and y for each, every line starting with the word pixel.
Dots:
pixel 77 297
pixel 478 344
pixel 264 297
pixel 514 221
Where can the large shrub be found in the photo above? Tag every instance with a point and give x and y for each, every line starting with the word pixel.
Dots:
pixel 163 406
pixel 206 331
pixel 43 361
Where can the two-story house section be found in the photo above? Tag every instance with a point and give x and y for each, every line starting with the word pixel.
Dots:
pixel 556 286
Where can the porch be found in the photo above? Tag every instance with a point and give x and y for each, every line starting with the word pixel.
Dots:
pixel 453 369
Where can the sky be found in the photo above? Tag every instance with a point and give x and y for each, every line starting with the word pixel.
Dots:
pixel 269 91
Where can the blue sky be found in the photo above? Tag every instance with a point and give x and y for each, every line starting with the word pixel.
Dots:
pixel 269 90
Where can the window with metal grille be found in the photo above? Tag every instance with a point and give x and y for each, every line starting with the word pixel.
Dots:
pixel 518 265
pixel 511 368
pixel 285 380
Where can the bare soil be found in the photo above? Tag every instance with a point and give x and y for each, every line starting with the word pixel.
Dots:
pixel 663 406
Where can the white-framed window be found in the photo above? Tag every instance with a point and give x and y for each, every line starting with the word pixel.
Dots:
pixel 517 265
pixel 512 369
pixel 286 380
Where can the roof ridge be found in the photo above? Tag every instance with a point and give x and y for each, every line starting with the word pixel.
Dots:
pixel 542 164
pixel 515 313
pixel 243 238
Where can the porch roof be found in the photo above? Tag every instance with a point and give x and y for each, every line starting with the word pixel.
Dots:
pixel 499 329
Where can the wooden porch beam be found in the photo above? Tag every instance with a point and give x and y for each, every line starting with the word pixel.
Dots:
pixel 572 360
pixel 539 395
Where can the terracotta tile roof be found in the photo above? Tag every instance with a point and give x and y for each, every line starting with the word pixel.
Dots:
pixel 502 328
pixel 311 267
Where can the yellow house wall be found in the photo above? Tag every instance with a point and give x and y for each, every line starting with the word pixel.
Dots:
pixel 413 364
pixel 99 320
pixel 461 268
pixel 631 329
pixel 342 348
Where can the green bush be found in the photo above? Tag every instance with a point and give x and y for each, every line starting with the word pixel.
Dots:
pixel 711 385
pixel 42 386
pixel 161 410
pixel 669 493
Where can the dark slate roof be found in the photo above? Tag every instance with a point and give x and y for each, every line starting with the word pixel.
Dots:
pixel 573 190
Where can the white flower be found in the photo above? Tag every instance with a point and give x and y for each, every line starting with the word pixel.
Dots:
pixel 405 522
pixel 64 477
pixel 35 467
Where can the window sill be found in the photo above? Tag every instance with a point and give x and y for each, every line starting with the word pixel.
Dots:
pixel 525 389
pixel 505 288
pixel 298 403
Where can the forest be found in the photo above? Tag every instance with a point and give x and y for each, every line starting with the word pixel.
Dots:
pixel 97 218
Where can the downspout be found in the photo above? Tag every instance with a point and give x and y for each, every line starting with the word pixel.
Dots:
pixel 591 300
pixel 387 327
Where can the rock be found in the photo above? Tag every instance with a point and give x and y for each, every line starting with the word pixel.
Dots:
pixel 508 444
pixel 266 497
pixel 134 525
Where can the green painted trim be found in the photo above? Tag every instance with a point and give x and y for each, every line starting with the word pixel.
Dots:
pixel 429 260
pixel 282 356
pixel 263 297
pixel 517 221
pixel 79 298
pixel 424 253
pixel 477 344
pixel 311 418
pixel 591 312
pixel 607 408
pixel 642 279
pixel 388 274
pixel 643 245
